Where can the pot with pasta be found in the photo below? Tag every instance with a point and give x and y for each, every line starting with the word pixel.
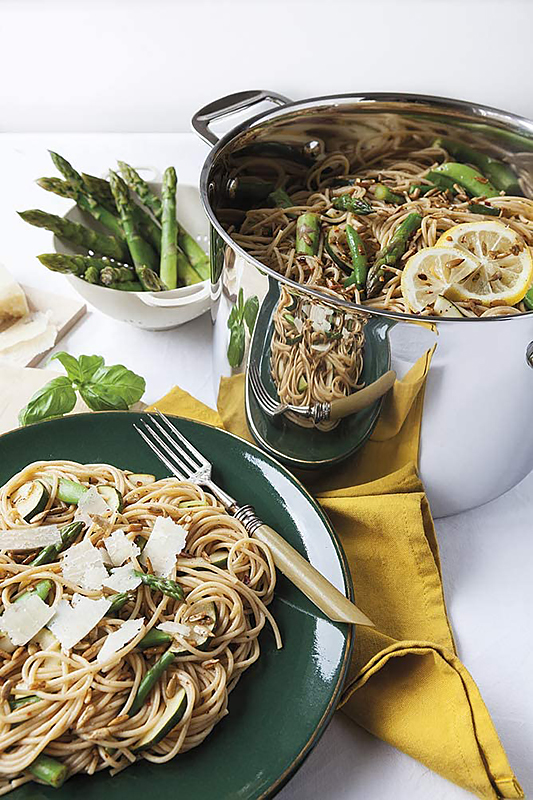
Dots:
pixel 406 214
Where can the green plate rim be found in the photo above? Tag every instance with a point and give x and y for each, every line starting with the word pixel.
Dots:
pixel 297 762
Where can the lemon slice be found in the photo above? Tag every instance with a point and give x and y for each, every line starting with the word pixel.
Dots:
pixel 431 273
pixel 504 266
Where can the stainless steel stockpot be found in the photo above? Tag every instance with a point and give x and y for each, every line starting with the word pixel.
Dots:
pixel 476 438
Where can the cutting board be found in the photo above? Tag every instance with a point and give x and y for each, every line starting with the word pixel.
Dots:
pixel 64 313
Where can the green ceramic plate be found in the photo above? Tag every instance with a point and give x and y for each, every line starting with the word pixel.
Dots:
pixel 310 448
pixel 283 703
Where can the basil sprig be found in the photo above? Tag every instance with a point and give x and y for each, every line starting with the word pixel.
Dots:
pixel 242 312
pixel 102 388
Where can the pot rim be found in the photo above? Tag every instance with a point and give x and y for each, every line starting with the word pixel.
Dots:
pixel 485 113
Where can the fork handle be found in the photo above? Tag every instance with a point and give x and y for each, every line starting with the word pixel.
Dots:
pixel 363 398
pixel 306 578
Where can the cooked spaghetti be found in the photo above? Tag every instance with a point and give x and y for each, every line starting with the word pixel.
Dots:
pixel 74 706
pixel 316 354
pixel 389 163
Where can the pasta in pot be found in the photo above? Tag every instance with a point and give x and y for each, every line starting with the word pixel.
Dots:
pixel 79 714
pixel 386 163
pixel 315 357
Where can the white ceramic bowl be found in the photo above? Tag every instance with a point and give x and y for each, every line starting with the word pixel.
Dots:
pixel 150 310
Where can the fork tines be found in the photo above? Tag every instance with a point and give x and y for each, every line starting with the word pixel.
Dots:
pixel 171 446
pixel 267 403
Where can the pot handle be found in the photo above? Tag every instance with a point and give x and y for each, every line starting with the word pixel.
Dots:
pixel 153 300
pixel 231 104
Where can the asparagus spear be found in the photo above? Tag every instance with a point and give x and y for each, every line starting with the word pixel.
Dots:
pixel 142 254
pixel 49 770
pixel 111 274
pixel 77 234
pixel 127 286
pixel 117 602
pixel 498 172
pixel 75 265
pixel 169 230
pixel 198 259
pixel 359 259
pixel 149 681
pixel 69 533
pixel 308 234
pixel 150 280
pixel 169 588
pixel 83 201
pixel 154 638
pixel 101 191
pixel 382 192
pixel 41 589
pixel 389 255
pixel 188 275
pixel 17 702
pixel 528 299
pixel 92 275
pixel 346 202
pixel 187 243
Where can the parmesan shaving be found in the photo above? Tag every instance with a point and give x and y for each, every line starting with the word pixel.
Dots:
pixel 72 623
pixel 22 539
pixel 83 565
pixel 122 579
pixel 91 505
pixel 116 640
pixel 13 302
pixel 23 619
pixel 120 548
pixel 166 541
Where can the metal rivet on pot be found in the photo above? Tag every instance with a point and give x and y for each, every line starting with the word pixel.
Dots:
pixel 529 355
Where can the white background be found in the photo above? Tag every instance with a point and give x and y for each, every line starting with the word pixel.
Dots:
pixel 131 66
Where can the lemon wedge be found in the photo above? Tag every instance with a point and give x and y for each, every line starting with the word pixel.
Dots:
pixel 431 273
pixel 504 266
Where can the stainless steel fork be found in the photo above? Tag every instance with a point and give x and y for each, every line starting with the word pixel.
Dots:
pixel 337 409
pixel 187 463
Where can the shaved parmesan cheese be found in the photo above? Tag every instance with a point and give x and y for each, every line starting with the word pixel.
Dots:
pixel 298 324
pixel 320 348
pixel 13 302
pixel 71 624
pixel 23 619
pixel 21 539
pixel 122 579
pixel 116 640
pixel 25 352
pixel 83 565
pixel 120 548
pixel 175 628
pixel 91 505
pixel 24 330
pixel 166 541
pixel 318 316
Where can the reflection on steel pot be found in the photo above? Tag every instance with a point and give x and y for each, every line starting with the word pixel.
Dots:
pixel 313 345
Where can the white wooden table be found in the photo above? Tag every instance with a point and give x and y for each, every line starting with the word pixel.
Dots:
pixel 487 554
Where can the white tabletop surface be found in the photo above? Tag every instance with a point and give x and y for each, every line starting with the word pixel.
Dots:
pixel 487 554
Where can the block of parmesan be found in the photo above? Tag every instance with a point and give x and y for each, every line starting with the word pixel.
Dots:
pixel 13 304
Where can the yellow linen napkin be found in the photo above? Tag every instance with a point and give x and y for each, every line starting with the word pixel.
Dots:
pixel 406 684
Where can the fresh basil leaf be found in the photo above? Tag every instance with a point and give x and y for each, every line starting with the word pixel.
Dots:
pixel 54 399
pixel 113 387
pixel 240 301
pixel 251 307
pixel 103 398
pixel 88 366
pixel 234 317
pixel 72 368
pixel 236 345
